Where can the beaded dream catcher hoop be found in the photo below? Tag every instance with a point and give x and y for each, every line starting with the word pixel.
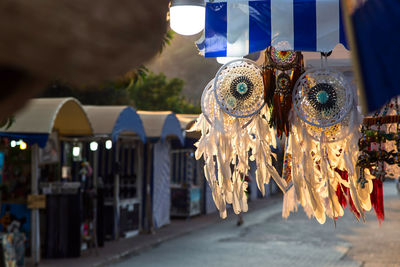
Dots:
pixel 239 88
pixel 322 97
pixel 211 110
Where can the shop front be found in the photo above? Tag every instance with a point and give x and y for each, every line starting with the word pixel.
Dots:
pixel 118 164
pixel 35 190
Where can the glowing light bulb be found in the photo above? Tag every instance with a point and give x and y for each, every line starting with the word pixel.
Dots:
pixel 76 151
pixel 13 143
pixel 187 19
pixel 94 146
pixel 108 144
pixel 23 145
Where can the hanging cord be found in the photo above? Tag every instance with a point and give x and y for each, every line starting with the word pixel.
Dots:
pixel 324 59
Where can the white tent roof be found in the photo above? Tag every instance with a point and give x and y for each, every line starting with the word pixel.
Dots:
pixel 115 120
pixel 187 121
pixel 160 124
pixel 103 118
pixel 44 115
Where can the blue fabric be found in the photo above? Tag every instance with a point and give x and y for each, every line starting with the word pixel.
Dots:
pixel 172 127
pixel 342 34
pixel 305 27
pixel 128 121
pixel 260 12
pixel 30 139
pixel 376 25
pixel 215 33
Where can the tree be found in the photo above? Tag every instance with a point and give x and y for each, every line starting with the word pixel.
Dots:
pixel 156 92
pixel 142 89
pixel 107 94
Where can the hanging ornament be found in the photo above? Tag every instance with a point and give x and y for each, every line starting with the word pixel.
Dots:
pixel 239 88
pixel 234 134
pixel 322 97
pixel 280 72
pixel 323 148
pixel 282 60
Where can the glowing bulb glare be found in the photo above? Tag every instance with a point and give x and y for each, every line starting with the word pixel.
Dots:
pixel 76 151
pixel 187 19
pixel 108 144
pixel 13 143
pixel 23 145
pixel 94 146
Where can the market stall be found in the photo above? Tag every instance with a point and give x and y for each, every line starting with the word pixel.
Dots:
pixel 160 127
pixel 33 148
pixel 118 161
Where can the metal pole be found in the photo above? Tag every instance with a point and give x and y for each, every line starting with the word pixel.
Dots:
pixel 139 151
pixel 149 206
pixel 116 191
pixel 95 177
pixel 35 230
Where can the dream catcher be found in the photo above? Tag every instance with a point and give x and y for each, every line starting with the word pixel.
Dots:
pixel 320 155
pixel 235 131
pixel 280 72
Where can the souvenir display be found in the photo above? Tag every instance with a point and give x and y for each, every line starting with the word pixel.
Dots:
pixel 331 159
pixel 233 135
pixel 379 148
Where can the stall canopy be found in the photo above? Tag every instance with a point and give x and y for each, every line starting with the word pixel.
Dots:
pixel 160 125
pixel 115 120
pixel 41 116
pixel 187 121
pixel 237 28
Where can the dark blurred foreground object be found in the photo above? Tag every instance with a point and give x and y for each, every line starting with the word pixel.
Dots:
pixel 80 41
pixel 373 33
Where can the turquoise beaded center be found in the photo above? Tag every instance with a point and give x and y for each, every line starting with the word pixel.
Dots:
pixel 322 97
pixel 242 88
pixel 231 102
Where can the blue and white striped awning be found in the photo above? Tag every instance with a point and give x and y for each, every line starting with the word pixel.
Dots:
pixel 236 28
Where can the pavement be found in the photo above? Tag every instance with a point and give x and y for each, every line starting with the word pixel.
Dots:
pixel 115 251
pixel 265 239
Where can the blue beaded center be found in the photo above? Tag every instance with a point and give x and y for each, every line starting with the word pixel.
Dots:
pixel 241 88
pixel 322 97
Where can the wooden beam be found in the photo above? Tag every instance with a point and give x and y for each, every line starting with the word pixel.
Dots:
pixel 369 121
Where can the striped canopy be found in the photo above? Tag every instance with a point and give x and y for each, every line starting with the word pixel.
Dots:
pixel 236 28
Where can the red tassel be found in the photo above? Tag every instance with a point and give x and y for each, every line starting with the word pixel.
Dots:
pixel 345 176
pixel 341 195
pixel 377 200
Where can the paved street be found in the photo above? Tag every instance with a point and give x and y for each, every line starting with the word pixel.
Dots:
pixel 266 239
